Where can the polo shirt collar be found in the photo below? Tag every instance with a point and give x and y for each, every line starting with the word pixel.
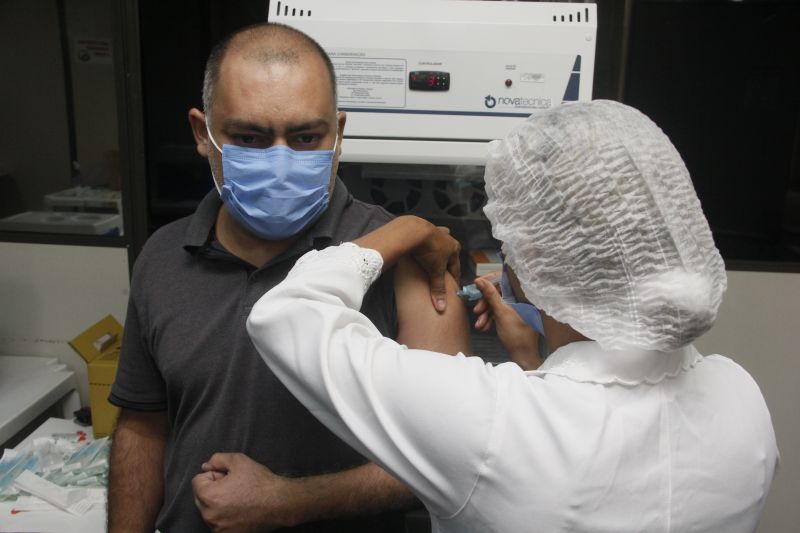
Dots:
pixel 203 219
pixel 198 233
pixel 325 227
pixel 586 362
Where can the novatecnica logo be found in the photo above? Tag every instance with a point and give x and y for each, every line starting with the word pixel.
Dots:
pixel 520 102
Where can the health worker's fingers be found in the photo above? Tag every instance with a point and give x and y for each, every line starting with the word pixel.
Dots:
pixel 481 307
pixel 484 322
pixel 454 265
pixel 437 255
pixel 490 294
pixel 438 291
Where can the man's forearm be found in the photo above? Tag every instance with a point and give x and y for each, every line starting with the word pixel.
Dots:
pixel 136 486
pixel 363 490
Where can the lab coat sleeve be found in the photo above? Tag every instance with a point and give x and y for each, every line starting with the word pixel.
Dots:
pixel 425 417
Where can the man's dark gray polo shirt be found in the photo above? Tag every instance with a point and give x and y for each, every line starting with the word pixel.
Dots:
pixel 186 351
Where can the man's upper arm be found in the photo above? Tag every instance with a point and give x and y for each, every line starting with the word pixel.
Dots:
pixel 139 384
pixel 419 324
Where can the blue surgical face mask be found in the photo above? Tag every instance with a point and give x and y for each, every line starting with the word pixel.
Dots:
pixel 274 192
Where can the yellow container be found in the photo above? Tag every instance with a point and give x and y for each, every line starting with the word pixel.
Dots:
pixel 99 347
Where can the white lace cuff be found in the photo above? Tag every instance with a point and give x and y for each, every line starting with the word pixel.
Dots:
pixel 368 262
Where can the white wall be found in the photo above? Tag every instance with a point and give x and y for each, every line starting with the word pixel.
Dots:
pixel 758 327
pixel 51 293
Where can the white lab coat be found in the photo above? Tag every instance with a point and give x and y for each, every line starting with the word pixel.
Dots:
pixel 593 441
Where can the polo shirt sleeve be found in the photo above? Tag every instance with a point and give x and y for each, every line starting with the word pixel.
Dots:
pixel 425 417
pixel 138 384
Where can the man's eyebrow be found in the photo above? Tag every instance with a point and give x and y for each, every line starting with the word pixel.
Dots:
pixel 229 124
pixel 236 124
pixel 310 125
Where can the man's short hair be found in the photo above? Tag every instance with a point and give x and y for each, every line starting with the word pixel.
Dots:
pixel 287 53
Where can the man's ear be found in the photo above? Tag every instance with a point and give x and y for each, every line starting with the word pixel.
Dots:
pixel 197 120
pixel 341 120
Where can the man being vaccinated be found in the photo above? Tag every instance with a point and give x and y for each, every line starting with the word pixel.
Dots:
pixel 208 437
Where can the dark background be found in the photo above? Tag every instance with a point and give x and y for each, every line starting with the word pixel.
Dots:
pixel 720 78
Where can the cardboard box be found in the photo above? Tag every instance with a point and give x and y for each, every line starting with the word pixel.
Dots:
pixel 485 261
pixel 99 347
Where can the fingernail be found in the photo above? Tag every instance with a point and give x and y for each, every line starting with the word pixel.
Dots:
pixel 441 304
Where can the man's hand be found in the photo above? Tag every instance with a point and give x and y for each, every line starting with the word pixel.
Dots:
pixel 235 493
pixel 519 339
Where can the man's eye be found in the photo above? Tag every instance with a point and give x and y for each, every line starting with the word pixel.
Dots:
pixel 245 139
pixel 307 138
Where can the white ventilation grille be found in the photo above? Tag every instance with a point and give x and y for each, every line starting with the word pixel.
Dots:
pixel 578 16
pixel 284 10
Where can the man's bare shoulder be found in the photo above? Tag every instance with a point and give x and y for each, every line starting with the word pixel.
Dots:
pixel 419 324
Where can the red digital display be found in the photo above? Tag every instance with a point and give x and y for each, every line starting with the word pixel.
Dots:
pixel 423 80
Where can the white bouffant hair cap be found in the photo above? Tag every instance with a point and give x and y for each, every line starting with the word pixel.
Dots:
pixel 602 226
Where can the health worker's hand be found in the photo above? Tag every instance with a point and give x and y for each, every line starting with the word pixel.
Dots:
pixel 236 494
pixel 431 246
pixel 519 339
pixel 438 254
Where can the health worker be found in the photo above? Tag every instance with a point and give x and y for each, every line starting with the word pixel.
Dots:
pixel 625 427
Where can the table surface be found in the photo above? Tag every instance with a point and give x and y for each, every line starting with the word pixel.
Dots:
pixel 29 386
pixel 93 521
